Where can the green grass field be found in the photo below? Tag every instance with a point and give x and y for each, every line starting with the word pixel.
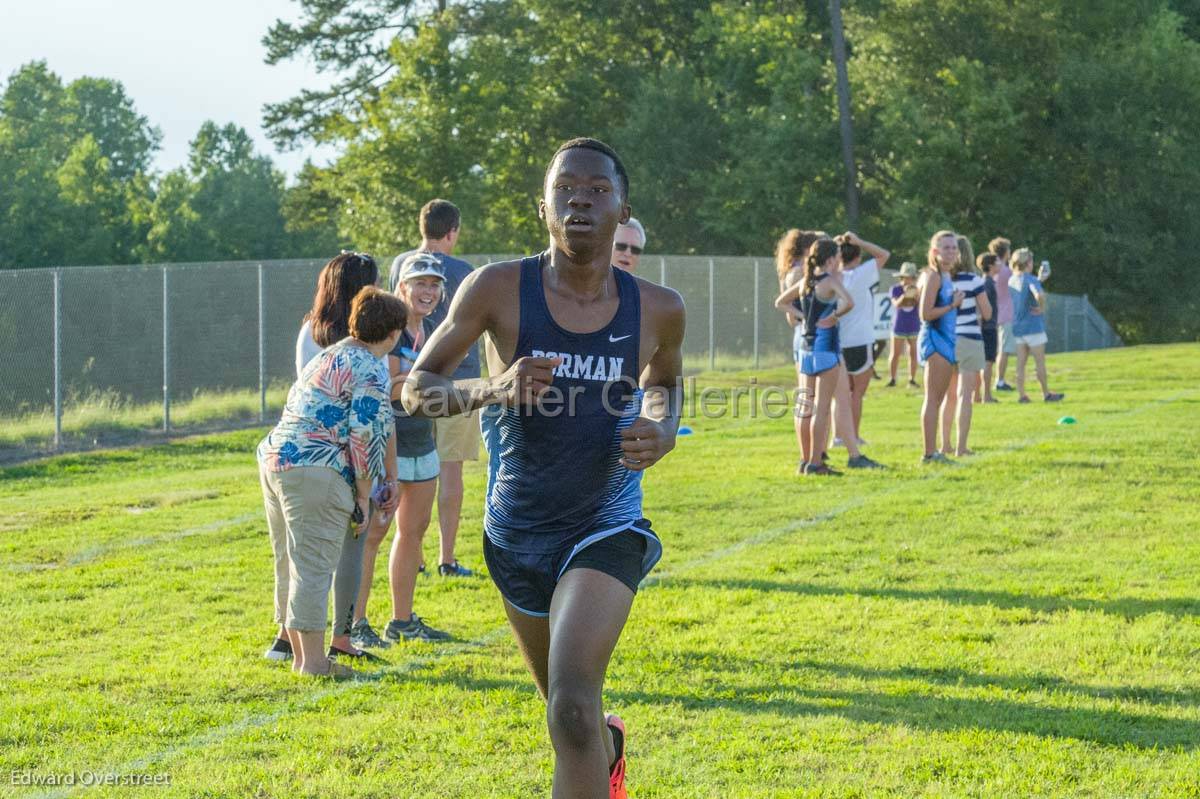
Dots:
pixel 1026 624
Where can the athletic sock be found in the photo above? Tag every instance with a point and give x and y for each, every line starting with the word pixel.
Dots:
pixel 618 746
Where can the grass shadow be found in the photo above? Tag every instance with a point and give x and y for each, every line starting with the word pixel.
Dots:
pixel 1126 607
pixel 924 711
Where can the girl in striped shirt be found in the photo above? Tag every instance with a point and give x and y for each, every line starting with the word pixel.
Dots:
pixel 968 348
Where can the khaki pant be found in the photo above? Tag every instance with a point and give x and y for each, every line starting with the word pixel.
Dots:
pixel 457 437
pixel 308 512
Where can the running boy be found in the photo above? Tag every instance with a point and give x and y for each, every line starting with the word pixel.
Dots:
pixel 586 395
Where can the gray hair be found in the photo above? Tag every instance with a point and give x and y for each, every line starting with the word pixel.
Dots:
pixel 636 225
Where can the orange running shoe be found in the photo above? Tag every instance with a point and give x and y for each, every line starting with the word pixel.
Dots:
pixel 616 776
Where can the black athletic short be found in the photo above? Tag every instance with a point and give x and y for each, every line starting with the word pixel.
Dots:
pixel 527 581
pixel 990 344
pixel 858 359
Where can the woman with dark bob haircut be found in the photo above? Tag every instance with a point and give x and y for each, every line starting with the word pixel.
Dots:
pixel 317 467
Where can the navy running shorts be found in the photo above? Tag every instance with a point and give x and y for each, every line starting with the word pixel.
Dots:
pixel 527 580
pixel 991 343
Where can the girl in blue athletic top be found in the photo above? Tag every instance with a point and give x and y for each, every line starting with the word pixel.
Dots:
pixel 938 307
pixel 823 300
pixel 790 253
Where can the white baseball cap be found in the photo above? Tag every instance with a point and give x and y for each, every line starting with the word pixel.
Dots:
pixel 421 264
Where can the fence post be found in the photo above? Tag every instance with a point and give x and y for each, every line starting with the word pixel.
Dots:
pixel 58 410
pixel 1087 320
pixel 662 268
pixel 712 321
pixel 166 343
pixel 756 281
pixel 262 353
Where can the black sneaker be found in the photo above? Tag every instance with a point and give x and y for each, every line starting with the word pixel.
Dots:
pixel 364 637
pixel 281 650
pixel 1053 397
pixel 822 470
pixel 361 654
pixel 891 383
pixel 863 462
pixel 414 629
pixel 454 569
pixel 1002 386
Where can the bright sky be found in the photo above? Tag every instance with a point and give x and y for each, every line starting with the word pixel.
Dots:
pixel 181 61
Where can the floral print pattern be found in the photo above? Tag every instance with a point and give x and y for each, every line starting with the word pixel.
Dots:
pixel 338 415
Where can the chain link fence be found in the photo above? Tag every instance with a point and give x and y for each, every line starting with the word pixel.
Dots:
pixel 95 356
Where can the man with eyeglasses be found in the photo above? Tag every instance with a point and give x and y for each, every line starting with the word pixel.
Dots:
pixel 628 243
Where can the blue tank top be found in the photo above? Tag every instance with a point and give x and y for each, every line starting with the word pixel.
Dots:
pixel 554 476
pixel 948 322
pixel 812 310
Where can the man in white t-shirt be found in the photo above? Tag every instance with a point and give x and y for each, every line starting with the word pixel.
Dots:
pixel 856 330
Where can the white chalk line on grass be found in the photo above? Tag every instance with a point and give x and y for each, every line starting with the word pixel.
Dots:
pixel 97 552
pixel 770 535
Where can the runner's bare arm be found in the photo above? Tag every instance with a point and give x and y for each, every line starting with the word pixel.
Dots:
pixel 984 305
pixel 930 283
pixel 845 301
pixel 792 277
pixel 428 390
pixel 652 434
pixel 784 300
pixel 880 254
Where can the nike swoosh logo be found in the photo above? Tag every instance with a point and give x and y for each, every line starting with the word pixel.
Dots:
pixel 615 339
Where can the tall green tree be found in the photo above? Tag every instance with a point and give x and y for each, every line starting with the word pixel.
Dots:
pixel 471 100
pixel 1061 127
pixel 225 205
pixel 74 170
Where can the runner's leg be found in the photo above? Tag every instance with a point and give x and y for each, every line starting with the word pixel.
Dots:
pixel 1022 358
pixel 412 520
pixel 826 385
pixel 449 503
pixel 858 389
pixel 1002 357
pixel 1039 363
pixel 843 412
pixel 533 639
pixel 948 406
pixel 804 416
pixel 938 372
pixel 587 615
pixel 803 413
pixel 966 391
pixel 377 530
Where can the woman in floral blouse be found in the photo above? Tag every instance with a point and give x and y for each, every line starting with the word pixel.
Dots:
pixel 317 467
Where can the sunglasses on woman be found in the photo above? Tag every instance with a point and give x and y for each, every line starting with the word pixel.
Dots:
pixel 621 246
